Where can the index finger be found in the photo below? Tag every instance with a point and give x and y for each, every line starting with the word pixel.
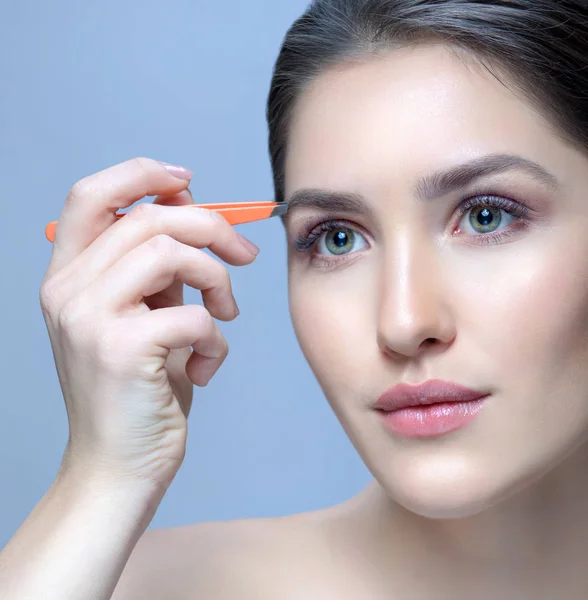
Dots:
pixel 91 204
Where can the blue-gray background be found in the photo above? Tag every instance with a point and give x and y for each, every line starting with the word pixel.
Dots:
pixel 86 85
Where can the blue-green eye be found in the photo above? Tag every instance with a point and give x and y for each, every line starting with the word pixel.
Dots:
pixel 485 219
pixel 340 240
pixel 485 214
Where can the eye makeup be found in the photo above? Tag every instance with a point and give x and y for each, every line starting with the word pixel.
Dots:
pixel 313 230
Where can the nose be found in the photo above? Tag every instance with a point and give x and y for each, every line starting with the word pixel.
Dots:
pixel 415 310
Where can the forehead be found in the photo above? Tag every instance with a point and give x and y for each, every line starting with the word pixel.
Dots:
pixel 403 111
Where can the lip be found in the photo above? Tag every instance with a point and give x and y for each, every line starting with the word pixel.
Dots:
pixel 435 391
pixel 430 409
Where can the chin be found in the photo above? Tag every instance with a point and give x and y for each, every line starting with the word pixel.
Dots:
pixel 445 506
pixel 443 488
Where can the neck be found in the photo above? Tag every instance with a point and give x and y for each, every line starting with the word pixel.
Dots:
pixel 535 540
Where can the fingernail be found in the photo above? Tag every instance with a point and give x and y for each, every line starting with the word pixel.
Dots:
pixel 237 311
pixel 177 171
pixel 250 246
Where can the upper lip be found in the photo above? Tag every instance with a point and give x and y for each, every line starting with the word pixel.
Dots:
pixel 430 392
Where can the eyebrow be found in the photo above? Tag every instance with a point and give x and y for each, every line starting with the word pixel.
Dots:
pixel 432 186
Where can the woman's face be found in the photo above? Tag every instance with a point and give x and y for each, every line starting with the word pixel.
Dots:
pixel 403 289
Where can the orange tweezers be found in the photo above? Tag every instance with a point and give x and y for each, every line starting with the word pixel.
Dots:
pixel 235 213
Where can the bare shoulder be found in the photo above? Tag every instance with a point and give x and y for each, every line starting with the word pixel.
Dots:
pixel 243 559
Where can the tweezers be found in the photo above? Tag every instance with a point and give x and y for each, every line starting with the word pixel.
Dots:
pixel 236 213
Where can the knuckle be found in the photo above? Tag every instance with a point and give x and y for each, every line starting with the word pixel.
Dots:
pixel 204 323
pixel 202 316
pixel 49 295
pixel 208 215
pixel 215 276
pixel 145 211
pixel 142 164
pixel 215 216
pixel 162 244
pixel 80 190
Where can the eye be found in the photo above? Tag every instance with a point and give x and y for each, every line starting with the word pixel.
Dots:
pixel 489 214
pixel 340 240
pixel 486 219
pixel 328 239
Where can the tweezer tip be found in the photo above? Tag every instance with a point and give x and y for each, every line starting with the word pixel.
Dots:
pixel 280 210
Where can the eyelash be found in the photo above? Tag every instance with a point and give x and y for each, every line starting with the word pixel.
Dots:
pixel 312 233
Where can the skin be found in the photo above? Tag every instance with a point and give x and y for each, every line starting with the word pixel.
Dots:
pixel 494 510
pixel 419 295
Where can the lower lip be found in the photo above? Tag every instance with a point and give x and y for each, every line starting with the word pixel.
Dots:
pixel 433 419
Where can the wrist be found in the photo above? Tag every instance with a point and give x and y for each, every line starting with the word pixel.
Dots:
pixel 90 481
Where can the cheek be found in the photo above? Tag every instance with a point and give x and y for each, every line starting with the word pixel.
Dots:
pixel 524 330
pixel 531 313
pixel 331 315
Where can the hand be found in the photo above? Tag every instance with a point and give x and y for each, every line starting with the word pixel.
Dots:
pixel 126 348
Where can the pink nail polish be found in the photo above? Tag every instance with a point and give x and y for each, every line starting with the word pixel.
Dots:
pixel 177 171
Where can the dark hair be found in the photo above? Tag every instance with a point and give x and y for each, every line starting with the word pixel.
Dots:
pixel 540 46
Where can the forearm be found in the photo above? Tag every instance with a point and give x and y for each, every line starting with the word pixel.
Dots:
pixel 76 542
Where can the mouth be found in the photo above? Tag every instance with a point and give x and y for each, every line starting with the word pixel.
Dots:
pixel 433 408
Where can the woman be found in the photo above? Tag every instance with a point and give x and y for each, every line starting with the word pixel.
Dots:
pixel 434 155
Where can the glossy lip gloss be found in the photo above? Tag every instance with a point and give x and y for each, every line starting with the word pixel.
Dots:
pixel 431 409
